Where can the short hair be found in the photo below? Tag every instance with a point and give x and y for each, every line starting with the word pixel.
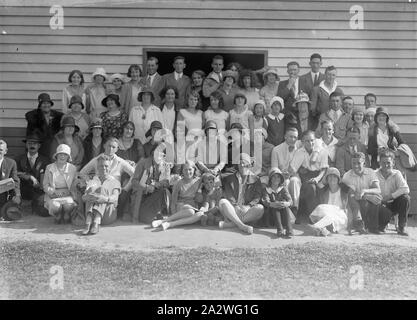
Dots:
pixel 217 95
pixel 76 72
pixel 386 153
pixel 315 56
pixel 239 94
pixel 335 94
pixel 236 64
pixel 165 89
pixel 153 59
pixel 354 130
pixel 194 93
pixel 293 129
pixel 370 94
pixel 112 139
pixel 348 97
pixel 134 67
pixel 328 121
pixel 293 63
pixel 179 58
pixel 306 133
pixel 330 68
pixel 217 57
pixel 4 143
pixel 124 125
pixel 103 158
pixel 191 164
pixel 200 72
pixel 358 155
pixel 253 78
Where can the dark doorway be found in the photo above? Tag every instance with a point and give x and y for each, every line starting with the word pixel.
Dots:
pixel 196 59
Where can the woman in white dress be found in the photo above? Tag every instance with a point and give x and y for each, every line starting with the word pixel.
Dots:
pixel 216 113
pixel 192 116
pixel 240 113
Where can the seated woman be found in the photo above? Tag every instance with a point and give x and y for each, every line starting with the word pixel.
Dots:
pixel 94 142
pixel 277 202
pixel 183 205
pixel 68 135
pixel 59 186
pixel 82 120
pixel 101 197
pixel 331 214
pixel 114 117
pixel 209 198
pixel 242 192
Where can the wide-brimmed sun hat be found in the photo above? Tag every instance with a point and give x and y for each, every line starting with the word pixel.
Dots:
pixel 301 97
pixel 63 148
pixel 99 72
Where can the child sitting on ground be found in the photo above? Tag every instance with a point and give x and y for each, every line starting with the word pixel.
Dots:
pixel 209 198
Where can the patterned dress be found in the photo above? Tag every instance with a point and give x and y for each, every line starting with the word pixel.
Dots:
pixel 112 125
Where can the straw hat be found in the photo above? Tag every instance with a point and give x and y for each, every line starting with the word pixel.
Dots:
pixel 99 72
pixel 63 148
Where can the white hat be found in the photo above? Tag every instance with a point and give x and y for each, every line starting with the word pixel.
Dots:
pixel 119 76
pixel 99 72
pixel 275 99
pixel 63 148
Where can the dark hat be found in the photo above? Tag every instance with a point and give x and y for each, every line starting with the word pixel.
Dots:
pixel 154 125
pixel 381 110
pixel 96 123
pixel 331 171
pixel 44 97
pixel 32 137
pixel 76 99
pixel 236 125
pixel 145 89
pixel 112 96
pixel 69 122
pixel 239 94
pixel 210 124
pixel 11 211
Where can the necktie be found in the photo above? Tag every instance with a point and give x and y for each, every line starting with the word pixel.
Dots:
pixel 316 79
pixel 32 161
pixel 148 81
pixel 291 148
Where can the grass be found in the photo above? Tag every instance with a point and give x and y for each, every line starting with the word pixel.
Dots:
pixel 316 271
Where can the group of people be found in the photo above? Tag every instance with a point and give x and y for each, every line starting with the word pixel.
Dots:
pixel 221 149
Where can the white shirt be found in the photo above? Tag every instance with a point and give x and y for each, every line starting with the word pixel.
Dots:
pixel 335 115
pixel 169 118
pixel 178 75
pixel 332 89
pixel 143 119
pixel 335 199
pixel 382 138
pixel 281 156
pixel 331 147
pixel 32 159
pixel 1 161
pixel 303 158
pixel 151 78
pixel 313 76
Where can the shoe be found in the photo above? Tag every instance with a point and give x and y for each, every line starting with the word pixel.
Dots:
pixel 204 220
pixel 289 234
pixel 324 232
pixel 402 232
pixel 221 224
pixel 164 225
pixel 156 223
pixel 362 231
pixel 280 234
pixel 87 229
pixel 159 217
pixel 249 229
pixel 94 228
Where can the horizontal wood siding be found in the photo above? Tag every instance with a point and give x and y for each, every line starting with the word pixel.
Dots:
pixel 381 58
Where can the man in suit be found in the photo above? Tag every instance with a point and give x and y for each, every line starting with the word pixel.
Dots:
pixel 153 79
pixel 313 78
pixel 178 80
pixel 213 80
pixel 8 169
pixel 30 169
pixel 289 89
pixel 44 121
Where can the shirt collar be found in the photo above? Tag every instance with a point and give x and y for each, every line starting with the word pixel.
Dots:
pixel 272 117
pixel 332 89
pixel 35 156
pixel 178 75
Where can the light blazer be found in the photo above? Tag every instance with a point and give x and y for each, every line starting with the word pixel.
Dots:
pixel 181 85
pixel 306 83
pixel 52 173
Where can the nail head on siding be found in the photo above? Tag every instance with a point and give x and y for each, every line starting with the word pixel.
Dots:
pixel 4 32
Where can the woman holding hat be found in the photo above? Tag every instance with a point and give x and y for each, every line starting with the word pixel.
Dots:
pixel 75 88
pixel 131 89
pixel 277 202
pixel 248 84
pixel 229 89
pixel 82 120
pixel 331 214
pixel 69 135
pixel 95 93
pixel 94 142
pixel 383 135
pixel 270 88
pixel 144 114
pixel 59 186
pixel 113 118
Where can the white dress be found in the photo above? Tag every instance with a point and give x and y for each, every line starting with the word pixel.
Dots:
pixel 242 117
pixel 220 118
pixel 193 122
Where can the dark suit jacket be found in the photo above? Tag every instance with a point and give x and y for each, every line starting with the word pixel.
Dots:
pixel 181 85
pixel 36 123
pixel 291 120
pixel 286 95
pixel 8 169
pixel 344 157
pixel 23 166
pixel 306 83
pixel 156 87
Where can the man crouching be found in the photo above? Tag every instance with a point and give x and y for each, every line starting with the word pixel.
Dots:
pixel 100 196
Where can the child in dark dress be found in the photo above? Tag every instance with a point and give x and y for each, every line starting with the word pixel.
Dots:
pixel 209 198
